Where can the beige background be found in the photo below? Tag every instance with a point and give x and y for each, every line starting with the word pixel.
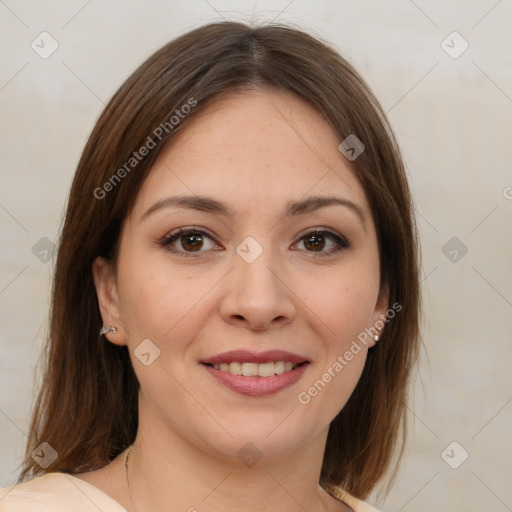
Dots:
pixel 453 120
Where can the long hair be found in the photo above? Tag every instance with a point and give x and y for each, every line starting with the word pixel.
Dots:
pixel 87 406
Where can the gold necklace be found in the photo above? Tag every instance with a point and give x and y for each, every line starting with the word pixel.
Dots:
pixel 127 479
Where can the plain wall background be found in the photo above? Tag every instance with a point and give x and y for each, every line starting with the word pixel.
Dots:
pixel 452 117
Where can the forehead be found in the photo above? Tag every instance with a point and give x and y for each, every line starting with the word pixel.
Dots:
pixel 253 147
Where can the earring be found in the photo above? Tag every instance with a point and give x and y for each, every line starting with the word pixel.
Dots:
pixel 375 337
pixel 106 329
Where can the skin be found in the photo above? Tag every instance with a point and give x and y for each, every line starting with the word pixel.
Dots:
pixel 255 151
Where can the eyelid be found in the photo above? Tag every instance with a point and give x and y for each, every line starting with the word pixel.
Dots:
pixel 319 229
pixel 185 230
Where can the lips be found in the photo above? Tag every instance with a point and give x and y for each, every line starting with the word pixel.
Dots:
pixel 256 374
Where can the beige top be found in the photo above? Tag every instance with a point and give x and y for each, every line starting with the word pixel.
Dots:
pixel 62 492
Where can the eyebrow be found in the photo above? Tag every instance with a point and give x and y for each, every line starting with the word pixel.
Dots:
pixel 210 205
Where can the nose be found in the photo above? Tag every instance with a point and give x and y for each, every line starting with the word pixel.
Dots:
pixel 257 296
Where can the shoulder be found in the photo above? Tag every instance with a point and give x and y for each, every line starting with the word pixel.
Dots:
pixel 355 504
pixel 56 492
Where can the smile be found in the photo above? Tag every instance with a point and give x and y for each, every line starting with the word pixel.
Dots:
pixel 256 374
pixel 256 369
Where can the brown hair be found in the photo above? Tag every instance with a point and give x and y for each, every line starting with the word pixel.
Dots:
pixel 87 407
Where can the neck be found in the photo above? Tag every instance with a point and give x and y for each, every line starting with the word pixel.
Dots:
pixel 164 470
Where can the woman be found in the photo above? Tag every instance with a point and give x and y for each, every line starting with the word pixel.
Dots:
pixel 236 296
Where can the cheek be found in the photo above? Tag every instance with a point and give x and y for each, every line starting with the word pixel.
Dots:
pixel 337 372
pixel 157 300
pixel 343 307
pixel 345 304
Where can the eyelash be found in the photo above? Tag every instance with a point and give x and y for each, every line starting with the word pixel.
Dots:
pixel 175 235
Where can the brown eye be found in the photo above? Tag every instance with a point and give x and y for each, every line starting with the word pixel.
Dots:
pixel 318 240
pixel 314 242
pixel 192 242
pixel 187 242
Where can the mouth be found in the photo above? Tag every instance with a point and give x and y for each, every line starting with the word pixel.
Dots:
pixel 265 370
pixel 256 374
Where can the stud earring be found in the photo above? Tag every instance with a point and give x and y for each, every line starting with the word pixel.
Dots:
pixel 375 337
pixel 106 329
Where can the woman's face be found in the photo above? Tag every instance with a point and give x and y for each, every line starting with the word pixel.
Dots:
pixel 218 264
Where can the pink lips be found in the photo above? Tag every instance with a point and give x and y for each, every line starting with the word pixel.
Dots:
pixel 256 386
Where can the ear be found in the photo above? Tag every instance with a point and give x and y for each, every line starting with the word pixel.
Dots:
pixel 379 314
pixel 106 290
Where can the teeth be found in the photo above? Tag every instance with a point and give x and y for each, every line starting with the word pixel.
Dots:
pixel 249 369
pixel 266 369
pixel 256 369
pixel 235 368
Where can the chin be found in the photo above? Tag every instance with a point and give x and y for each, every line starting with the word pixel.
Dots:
pixel 255 437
